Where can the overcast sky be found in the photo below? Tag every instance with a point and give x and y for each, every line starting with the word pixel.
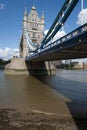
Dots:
pixel 11 16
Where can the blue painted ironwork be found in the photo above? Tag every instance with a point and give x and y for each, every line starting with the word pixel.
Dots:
pixel 73 34
pixel 68 40
pixel 60 20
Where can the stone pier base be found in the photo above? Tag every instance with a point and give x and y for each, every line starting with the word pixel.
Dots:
pixel 19 66
pixel 41 68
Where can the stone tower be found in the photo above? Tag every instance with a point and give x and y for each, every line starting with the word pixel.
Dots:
pixel 35 28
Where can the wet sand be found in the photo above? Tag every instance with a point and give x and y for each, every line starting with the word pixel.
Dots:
pixel 11 119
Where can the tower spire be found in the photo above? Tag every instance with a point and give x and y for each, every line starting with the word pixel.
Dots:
pixel 42 14
pixel 25 17
pixel 42 20
pixel 25 11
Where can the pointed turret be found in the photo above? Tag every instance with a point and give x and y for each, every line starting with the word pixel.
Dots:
pixel 33 8
pixel 43 20
pixel 42 15
pixel 25 18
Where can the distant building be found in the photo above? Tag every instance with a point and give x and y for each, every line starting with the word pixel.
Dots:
pixel 78 65
pixel 57 63
pixel 35 27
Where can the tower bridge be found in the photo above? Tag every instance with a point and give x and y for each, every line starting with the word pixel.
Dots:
pixel 36 50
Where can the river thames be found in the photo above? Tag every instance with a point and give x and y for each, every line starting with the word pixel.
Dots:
pixel 63 94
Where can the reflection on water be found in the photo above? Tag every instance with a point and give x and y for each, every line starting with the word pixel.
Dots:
pixel 45 94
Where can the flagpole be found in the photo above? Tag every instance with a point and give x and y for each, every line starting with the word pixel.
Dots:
pixel 82 11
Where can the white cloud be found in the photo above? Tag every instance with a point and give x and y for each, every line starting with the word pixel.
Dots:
pixel 46 31
pixel 2 6
pixel 80 60
pixel 8 53
pixel 82 17
pixel 58 35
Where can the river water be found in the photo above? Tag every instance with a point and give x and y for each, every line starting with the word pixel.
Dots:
pixel 65 93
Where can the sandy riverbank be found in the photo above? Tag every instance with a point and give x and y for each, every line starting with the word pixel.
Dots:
pixel 12 119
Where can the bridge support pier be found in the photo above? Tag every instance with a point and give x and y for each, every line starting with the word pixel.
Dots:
pixel 19 66
pixel 41 68
pixel 16 67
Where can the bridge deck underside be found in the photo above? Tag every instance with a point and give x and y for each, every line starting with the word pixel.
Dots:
pixel 71 49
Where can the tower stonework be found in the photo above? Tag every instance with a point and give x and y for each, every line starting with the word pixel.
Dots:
pixel 35 27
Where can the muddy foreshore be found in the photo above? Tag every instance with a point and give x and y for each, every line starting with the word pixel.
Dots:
pixel 12 119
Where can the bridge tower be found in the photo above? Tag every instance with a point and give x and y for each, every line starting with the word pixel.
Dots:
pixel 35 27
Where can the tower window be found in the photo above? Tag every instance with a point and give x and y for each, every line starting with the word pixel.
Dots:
pixel 38 36
pixel 34 34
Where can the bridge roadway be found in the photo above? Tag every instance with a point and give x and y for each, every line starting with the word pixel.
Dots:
pixel 70 46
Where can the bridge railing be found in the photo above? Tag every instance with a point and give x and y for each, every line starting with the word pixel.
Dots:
pixel 71 35
pixel 77 32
